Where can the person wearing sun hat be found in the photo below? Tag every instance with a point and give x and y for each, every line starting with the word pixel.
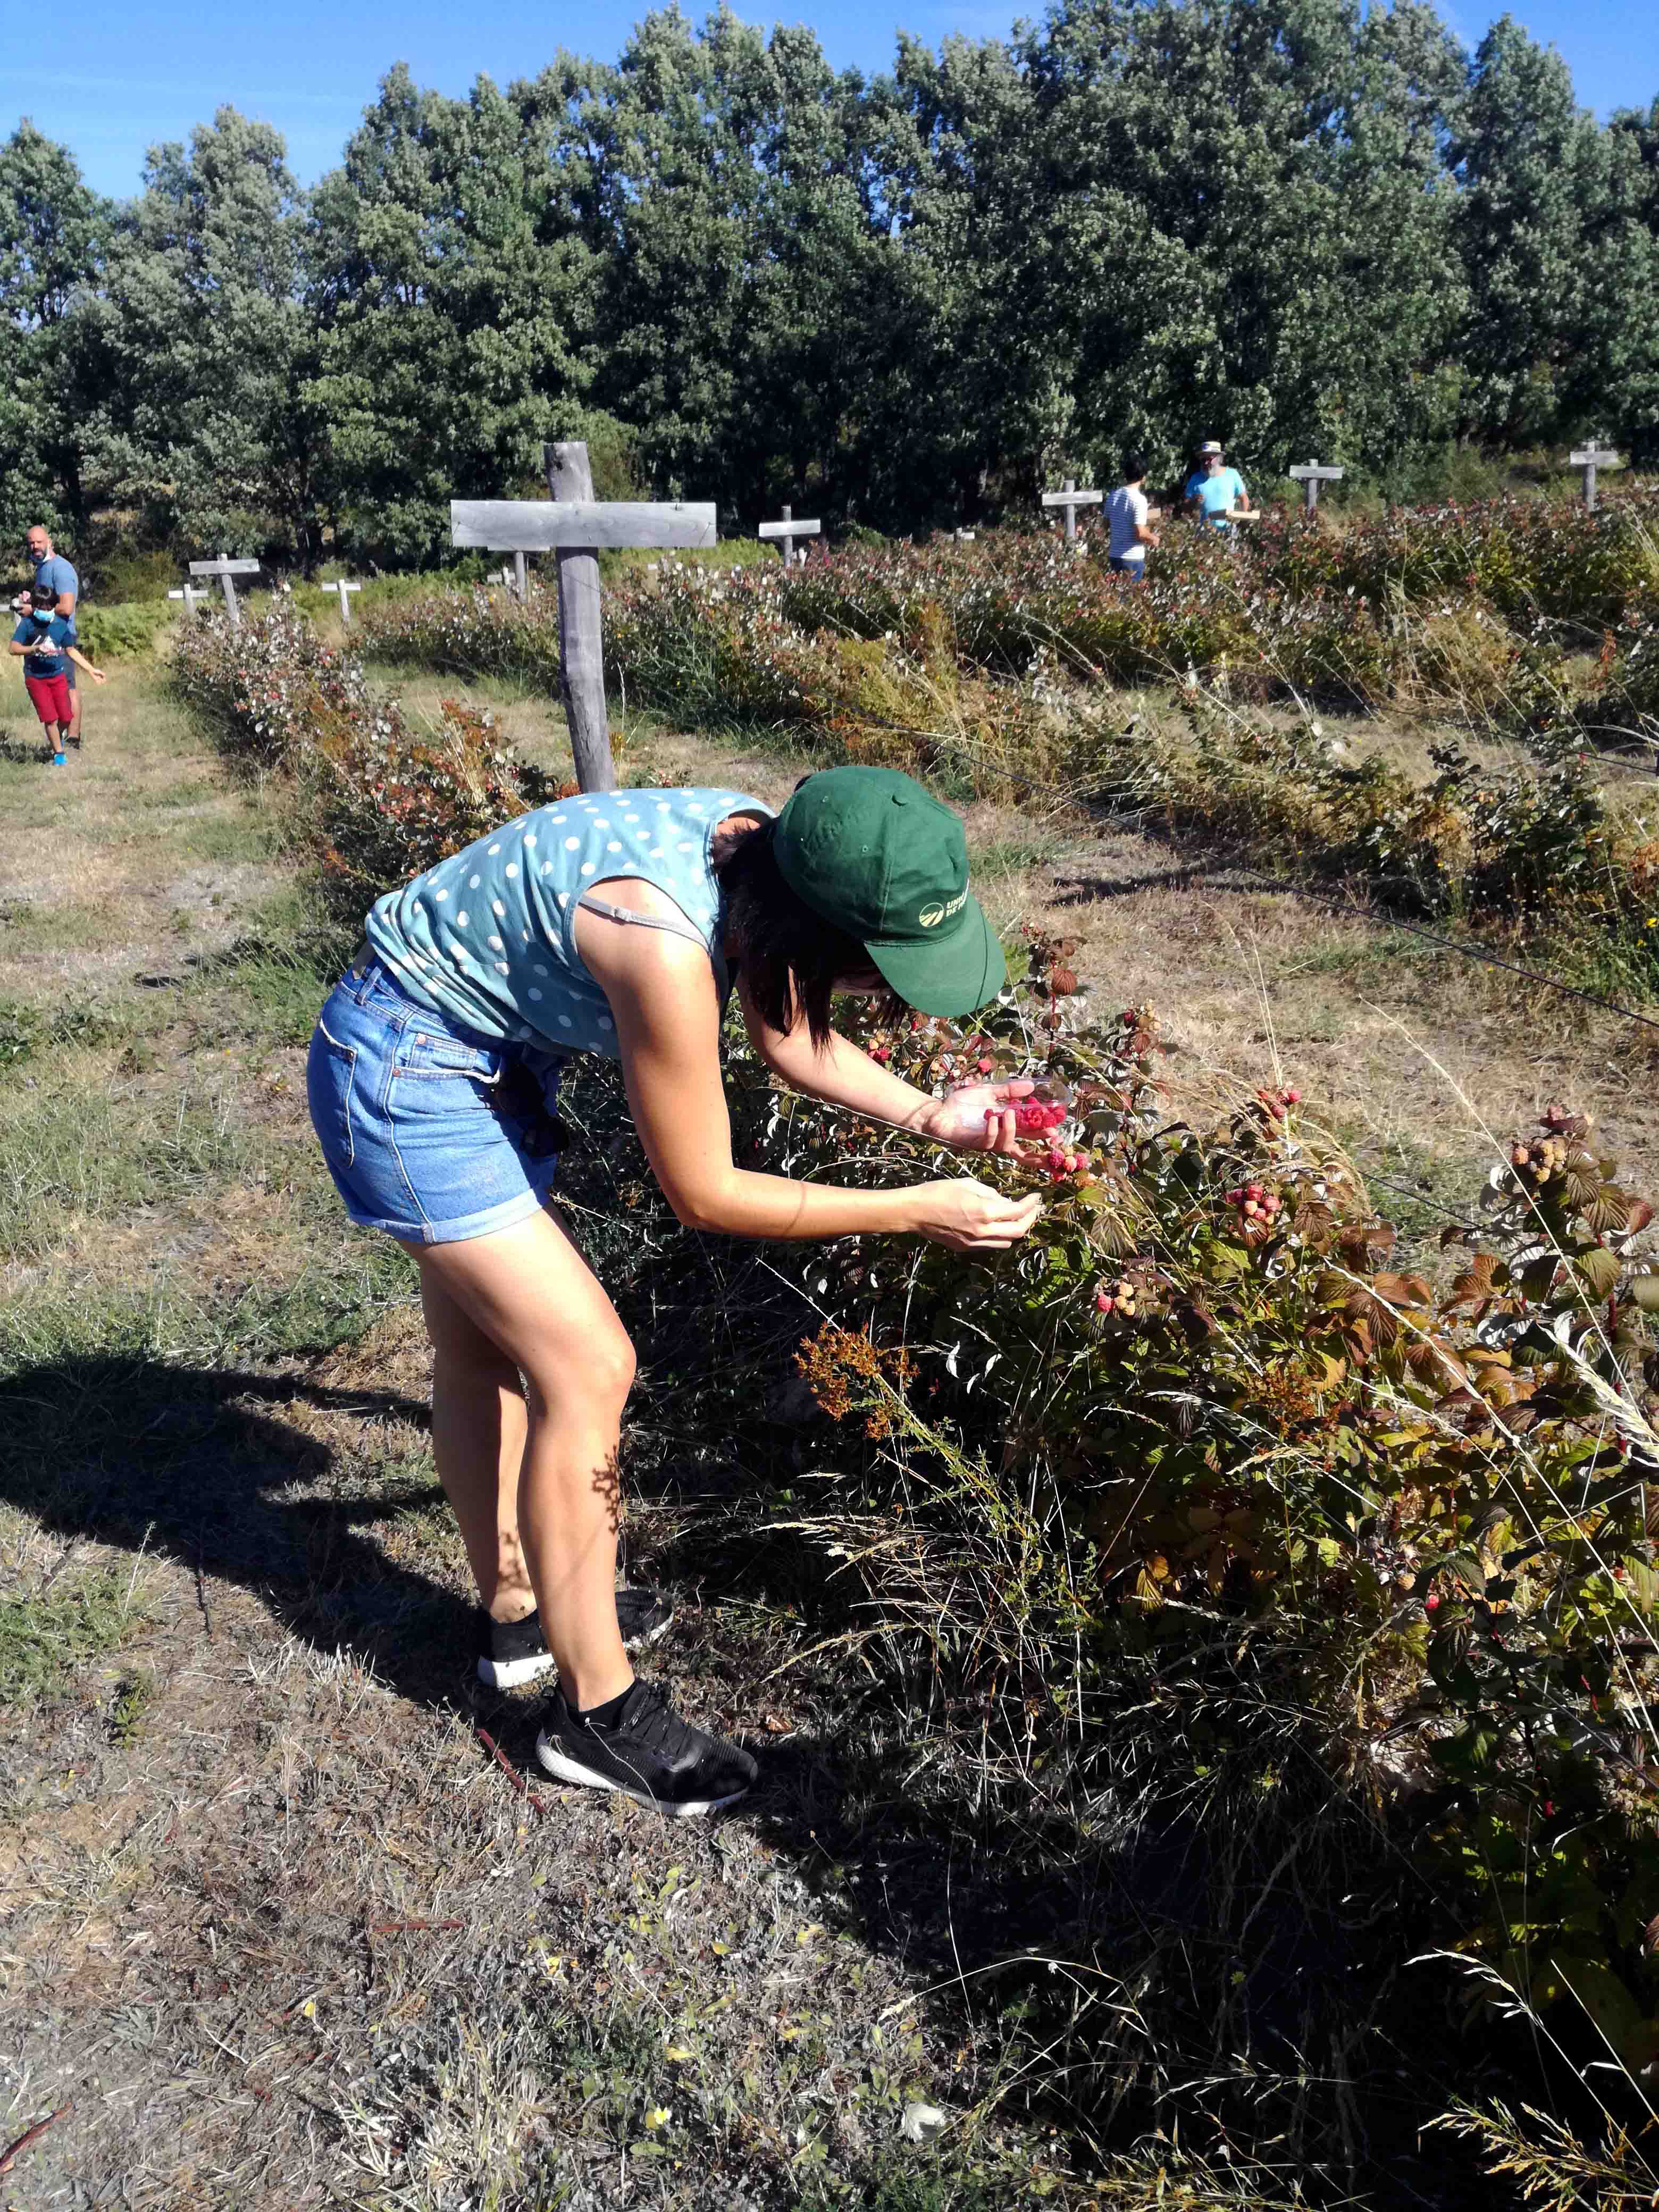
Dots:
pixel 619 923
pixel 1214 492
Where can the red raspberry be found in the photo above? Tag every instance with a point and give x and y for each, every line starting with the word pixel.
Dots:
pixel 1431 1603
pixel 1103 1302
pixel 986 1065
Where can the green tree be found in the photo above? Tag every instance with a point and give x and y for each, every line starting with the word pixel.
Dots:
pixel 748 310
pixel 53 235
pixel 451 287
pixel 1626 279
pixel 206 425
pixel 1534 169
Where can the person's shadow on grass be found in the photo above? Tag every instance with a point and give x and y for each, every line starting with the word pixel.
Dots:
pixel 196 1463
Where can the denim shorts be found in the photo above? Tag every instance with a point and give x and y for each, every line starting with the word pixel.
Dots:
pixel 430 1131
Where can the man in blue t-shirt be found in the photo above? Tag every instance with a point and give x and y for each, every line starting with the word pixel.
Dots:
pixel 1213 490
pixel 52 568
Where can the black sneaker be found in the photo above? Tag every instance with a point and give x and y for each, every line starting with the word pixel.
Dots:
pixel 515 1652
pixel 643 1616
pixel 512 1652
pixel 648 1752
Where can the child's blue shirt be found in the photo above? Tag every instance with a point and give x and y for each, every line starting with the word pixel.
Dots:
pixel 59 631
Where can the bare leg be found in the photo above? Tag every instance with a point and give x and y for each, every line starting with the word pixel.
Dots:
pixel 529 1292
pixel 477 1439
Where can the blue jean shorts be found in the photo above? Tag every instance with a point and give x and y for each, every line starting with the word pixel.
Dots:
pixel 430 1131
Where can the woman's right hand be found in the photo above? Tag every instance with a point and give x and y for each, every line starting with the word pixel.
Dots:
pixel 971 1216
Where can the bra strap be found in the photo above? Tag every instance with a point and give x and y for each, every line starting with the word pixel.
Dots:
pixel 641 920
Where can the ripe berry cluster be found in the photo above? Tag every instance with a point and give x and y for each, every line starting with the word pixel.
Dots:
pixel 1122 1300
pixel 1275 1104
pixel 1541 1159
pixel 1256 1204
pixel 1032 1116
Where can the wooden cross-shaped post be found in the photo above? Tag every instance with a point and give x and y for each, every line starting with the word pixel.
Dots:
pixel 787 532
pixel 189 596
pixel 224 568
pixel 573 525
pixel 1310 476
pixel 341 586
pixel 1071 499
pixel 1590 457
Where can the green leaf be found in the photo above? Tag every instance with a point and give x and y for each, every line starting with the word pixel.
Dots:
pixel 1598 1269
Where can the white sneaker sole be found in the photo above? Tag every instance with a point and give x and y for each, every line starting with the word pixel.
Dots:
pixel 563 1768
pixel 514 1673
pixel 642 1642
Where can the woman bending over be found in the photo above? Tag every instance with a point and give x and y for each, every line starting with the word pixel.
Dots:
pixel 618 923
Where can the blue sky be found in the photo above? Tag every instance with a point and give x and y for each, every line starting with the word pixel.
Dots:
pixel 120 78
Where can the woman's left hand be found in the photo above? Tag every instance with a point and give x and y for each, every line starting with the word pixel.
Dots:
pixel 976 1117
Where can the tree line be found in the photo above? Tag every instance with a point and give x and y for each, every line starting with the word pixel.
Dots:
pixel 1292 224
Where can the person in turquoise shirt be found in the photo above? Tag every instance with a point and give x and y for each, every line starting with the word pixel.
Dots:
pixel 51 568
pixel 619 923
pixel 1213 490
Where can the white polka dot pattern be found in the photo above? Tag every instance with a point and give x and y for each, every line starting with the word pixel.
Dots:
pixel 503 963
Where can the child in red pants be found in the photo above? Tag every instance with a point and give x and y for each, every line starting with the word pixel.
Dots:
pixel 44 643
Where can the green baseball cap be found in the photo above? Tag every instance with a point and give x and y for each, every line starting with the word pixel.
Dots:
pixel 871 852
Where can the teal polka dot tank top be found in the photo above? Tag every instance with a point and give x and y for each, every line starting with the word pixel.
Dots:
pixel 487 938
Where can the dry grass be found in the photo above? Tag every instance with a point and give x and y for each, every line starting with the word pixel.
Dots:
pixel 269 1916
pixel 270 1919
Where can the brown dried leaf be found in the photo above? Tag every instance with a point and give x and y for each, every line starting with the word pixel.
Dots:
pixel 1373 1315
pixel 1476 1281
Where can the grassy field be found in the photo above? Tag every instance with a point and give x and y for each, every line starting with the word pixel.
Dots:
pixel 276 1930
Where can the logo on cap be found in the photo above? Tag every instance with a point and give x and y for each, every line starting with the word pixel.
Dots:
pixel 930 916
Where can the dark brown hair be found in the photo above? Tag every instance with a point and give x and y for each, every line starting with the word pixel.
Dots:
pixel 792 959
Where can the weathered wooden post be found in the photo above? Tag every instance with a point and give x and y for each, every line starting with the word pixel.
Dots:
pixel 787 532
pixel 1310 476
pixel 224 568
pixel 1590 457
pixel 581 628
pixel 521 579
pixel 189 596
pixel 1071 499
pixel 573 525
pixel 341 586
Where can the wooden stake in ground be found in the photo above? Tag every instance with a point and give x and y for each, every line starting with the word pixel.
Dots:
pixel 1590 457
pixel 1071 499
pixel 572 523
pixel 341 586
pixel 190 595
pixel 787 532
pixel 225 568
pixel 1310 476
